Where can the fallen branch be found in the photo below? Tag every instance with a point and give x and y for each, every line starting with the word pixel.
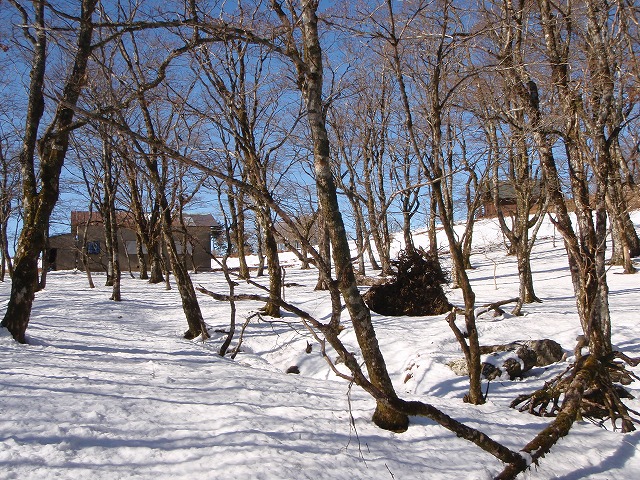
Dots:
pixel 236 297
pixel 495 306
pixel 241 336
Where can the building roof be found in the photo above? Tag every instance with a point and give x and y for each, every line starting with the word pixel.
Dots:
pixel 126 219
pixel 199 220
pixel 507 191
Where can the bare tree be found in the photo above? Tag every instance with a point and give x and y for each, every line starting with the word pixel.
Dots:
pixel 512 151
pixel 145 209
pixel 301 46
pixel 433 160
pixel 586 242
pixel 156 168
pixel 40 191
pixel 249 112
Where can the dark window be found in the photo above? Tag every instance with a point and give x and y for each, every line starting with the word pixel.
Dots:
pixel 93 248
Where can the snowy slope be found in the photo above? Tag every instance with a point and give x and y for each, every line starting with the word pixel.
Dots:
pixel 111 390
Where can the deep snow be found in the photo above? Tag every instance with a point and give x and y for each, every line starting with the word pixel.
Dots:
pixel 111 390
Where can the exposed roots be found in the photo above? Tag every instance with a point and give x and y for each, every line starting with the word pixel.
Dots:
pixel 601 399
pixel 588 392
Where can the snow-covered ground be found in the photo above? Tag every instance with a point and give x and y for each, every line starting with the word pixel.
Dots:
pixel 111 390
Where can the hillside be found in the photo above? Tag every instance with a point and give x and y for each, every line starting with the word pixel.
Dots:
pixel 111 390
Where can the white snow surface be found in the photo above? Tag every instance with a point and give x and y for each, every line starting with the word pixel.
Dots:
pixel 112 390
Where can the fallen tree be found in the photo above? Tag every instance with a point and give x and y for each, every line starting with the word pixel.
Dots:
pixel 415 288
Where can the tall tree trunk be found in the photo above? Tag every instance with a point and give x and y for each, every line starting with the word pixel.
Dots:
pixel 311 83
pixel 38 203
pixel 433 165
pixel 109 215
pixel 586 249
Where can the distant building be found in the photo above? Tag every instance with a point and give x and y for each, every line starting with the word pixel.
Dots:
pixel 507 200
pixel 65 250
pixel 307 225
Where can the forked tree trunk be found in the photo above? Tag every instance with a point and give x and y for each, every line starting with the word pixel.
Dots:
pixel 40 194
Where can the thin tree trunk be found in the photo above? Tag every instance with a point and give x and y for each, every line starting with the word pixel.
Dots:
pixel 372 258
pixel 433 216
pixel 45 261
pixel 259 249
pixel 239 223
pixel 83 247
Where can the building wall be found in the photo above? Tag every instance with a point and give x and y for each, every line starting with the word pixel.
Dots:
pixel 65 250
pixel 62 252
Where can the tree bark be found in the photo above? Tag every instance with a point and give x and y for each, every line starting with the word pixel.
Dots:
pixel 272 308
pixel 38 203
pixel 142 261
pixel 310 76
